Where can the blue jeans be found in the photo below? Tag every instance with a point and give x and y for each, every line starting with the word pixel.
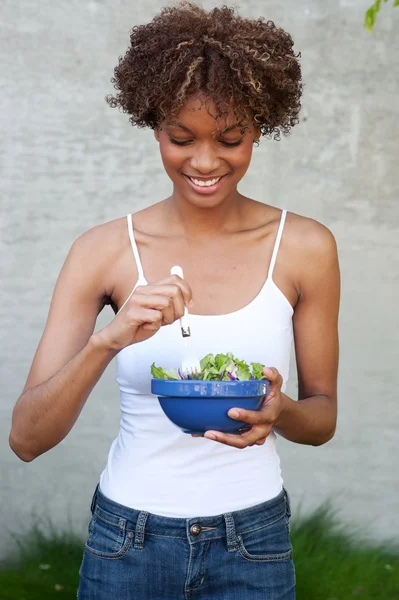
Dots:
pixel 243 555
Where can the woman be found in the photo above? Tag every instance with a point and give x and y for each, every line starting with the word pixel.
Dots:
pixel 177 516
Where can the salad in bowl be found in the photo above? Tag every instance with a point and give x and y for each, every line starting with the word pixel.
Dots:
pixel 200 402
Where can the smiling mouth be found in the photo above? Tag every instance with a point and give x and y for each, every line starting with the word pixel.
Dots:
pixel 204 182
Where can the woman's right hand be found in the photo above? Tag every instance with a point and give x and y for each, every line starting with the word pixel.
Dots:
pixel 149 307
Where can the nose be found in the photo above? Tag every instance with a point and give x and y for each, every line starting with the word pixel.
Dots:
pixel 204 159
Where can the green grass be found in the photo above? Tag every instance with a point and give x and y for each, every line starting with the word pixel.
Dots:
pixel 45 562
pixel 330 564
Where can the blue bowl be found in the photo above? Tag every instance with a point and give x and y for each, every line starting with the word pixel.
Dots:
pixel 197 406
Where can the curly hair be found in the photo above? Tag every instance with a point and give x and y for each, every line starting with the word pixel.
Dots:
pixel 243 65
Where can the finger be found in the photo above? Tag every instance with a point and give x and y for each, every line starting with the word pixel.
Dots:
pixel 249 438
pixel 261 442
pixel 152 326
pixel 149 319
pixel 276 382
pixel 256 433
pixel 272 374
pixel 185 289
pixel 173 292
pixel 157 302
pixel 172 282
pixel 225 438
pixel 179 301
pixel 151 300
pixel 263 416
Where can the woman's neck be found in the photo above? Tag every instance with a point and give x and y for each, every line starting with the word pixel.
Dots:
pixel 199 222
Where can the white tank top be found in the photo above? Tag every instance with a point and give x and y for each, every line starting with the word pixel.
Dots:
pixel 152 465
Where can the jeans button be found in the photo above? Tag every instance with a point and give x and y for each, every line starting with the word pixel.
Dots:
pixel 195 529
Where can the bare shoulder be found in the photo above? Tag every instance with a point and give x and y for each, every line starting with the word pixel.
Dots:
pixel 309 235
pixel 302 236
pixel 313 254
pixel 96 253
pixel 103 238
pixel 312 243
pixel 102 244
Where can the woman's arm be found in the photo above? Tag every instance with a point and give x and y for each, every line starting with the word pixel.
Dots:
pixel 68 363
pixel 71 358
pixel 45 414
pixel 312 419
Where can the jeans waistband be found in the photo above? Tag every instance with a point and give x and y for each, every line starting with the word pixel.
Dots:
pixel 195 529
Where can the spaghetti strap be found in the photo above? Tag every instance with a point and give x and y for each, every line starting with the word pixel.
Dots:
pixel 136 255
pixel 134 248
pixel 277 244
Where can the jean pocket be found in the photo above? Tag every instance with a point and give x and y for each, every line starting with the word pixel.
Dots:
pixel 108 536
pixel 268 543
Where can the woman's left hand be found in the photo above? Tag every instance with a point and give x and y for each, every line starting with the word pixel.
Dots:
pixel 261 420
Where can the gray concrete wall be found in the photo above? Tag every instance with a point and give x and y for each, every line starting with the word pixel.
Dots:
pixel 69 162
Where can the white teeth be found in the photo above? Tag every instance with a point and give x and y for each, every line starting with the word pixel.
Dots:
pixel 205 183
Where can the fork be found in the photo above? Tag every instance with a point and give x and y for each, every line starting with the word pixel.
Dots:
pixel 191 367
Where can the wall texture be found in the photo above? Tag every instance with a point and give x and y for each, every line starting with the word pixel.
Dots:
pixel 69 162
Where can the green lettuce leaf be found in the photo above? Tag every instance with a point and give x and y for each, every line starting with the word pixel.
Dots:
pixel 257 369
pixel 219 367
pixel 159 373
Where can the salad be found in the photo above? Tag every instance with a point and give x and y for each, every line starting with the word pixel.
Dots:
pixel 219 367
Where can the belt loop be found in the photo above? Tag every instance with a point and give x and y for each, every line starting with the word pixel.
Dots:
pixel 140 528
pixel 230 533
pixel 94 499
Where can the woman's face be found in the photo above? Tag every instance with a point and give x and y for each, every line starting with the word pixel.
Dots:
pixel 205 158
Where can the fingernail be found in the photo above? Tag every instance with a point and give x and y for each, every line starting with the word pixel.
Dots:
pixel 190 304
pixel 267 371
pixel 234 414
pixel 210 436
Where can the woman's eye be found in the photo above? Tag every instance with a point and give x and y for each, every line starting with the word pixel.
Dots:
pixel 179 143
pixel 231 144
pixel 227 144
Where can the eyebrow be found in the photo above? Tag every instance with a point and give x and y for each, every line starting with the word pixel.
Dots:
pixel 177 124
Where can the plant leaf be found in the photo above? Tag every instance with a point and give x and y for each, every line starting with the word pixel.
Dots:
pixel 371 15
pixel 160 373
pixel 257 370
pixel 225 367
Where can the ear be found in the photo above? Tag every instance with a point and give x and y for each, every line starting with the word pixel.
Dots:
pixel 156 134
pixel 257 134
